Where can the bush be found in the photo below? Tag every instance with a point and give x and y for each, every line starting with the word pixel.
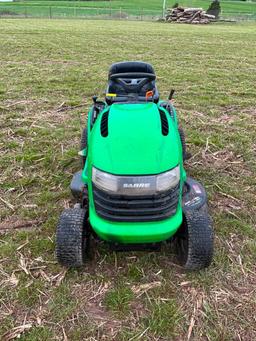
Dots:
pixel 214 9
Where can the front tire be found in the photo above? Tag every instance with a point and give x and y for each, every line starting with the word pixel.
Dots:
pixel 194 240
pixel 72 237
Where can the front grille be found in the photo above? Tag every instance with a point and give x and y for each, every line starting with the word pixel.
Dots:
pixel 136 209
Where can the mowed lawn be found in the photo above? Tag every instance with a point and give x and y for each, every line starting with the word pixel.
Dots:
pixel 49 71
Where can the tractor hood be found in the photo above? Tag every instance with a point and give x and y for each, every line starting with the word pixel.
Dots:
pixel 135 144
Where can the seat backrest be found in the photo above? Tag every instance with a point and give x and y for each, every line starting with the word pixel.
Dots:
pixel 131 73
pixel 135 67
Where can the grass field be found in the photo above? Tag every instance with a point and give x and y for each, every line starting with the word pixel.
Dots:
pixel 49 71
pixel 152 8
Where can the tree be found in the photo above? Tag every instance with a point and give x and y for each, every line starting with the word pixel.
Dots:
pixel 214 9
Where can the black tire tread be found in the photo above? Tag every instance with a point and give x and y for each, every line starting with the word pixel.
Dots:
pixel 200 231
pixel 200 239
pixel 70 237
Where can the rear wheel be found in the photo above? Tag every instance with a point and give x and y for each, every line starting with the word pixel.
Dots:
pixel 72 237
pixel 83 145
pixel 194 240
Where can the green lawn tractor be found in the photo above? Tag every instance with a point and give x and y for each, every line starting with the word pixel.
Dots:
pixel 133 191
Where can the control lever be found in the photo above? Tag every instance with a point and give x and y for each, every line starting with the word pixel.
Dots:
pixel 171 94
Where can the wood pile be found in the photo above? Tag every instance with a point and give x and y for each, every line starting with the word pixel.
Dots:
pixel 189 15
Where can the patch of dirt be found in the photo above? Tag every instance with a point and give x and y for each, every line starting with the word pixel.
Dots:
pixel 250 111
pixel 225 202
pixel 13 104
pixel 221 159
pixel 98 314
pixel 225 117
pixel 89 296
pixel 14 222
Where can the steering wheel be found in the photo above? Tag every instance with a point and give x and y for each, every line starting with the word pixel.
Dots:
pixel 133 81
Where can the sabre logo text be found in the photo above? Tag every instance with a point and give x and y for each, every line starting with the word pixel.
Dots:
pixel 145 185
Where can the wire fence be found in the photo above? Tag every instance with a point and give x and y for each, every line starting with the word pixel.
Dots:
pixel 53 12
pixel 58 12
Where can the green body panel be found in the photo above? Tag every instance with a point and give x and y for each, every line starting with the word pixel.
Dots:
pixel 134 146
pixel 125 233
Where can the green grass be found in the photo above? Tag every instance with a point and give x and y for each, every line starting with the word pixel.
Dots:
pixel 118 300
pixel 48 68
pixel 146 9
pixel 164 319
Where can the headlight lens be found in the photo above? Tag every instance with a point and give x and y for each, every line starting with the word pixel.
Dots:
pixel 105 181
pixel 136 185
pixel 168 179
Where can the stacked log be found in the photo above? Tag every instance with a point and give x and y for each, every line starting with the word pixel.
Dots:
pixel 188 16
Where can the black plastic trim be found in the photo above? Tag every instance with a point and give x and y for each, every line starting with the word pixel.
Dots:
pixel 194 195
pixel 136 209
pixel 164 123
pixel 104 124
pixel 77 185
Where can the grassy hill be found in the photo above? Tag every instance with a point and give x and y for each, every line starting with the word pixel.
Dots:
pixel 49 71
pixel 132 7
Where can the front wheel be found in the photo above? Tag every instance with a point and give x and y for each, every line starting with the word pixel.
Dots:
pixel 194 240
pixel 72 237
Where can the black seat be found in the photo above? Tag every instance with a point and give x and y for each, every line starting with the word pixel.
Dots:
pixel 136 67
pixel 132 78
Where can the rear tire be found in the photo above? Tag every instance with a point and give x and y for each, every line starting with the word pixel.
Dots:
pixel 194 240
pixel 83 145
pixel 72 237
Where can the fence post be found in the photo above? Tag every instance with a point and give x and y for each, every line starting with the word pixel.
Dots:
pixel 164 7
pixel 26 12
pixel 141 15
pixel 50 12
pixel 120 13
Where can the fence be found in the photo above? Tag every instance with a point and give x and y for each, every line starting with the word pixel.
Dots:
pixel 57 12
pixel 238 16
pixel 77 12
